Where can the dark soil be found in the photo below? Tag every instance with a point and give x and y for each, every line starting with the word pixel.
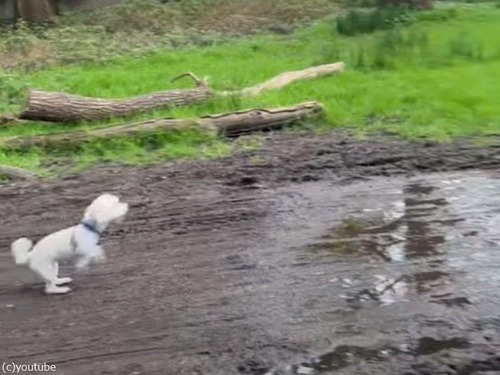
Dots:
pixel 217 268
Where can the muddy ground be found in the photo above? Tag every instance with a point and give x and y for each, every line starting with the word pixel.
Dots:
pixel 308 256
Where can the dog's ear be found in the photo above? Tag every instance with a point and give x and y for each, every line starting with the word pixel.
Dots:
pixel 90 212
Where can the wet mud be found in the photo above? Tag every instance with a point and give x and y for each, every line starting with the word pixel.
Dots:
pixel 307 256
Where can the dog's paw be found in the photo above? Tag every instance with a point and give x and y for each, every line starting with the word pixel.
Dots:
pixel 53 289
pixel 63 280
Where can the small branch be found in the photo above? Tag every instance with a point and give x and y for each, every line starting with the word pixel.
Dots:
pixel 197 81
pixel 391 285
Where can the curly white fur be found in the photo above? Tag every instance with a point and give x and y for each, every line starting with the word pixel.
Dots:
pixel 80 241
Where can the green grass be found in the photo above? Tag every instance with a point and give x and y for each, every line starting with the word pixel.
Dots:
pixel 436 79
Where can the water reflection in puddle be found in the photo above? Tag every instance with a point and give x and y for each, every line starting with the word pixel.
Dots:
pixel 420 250
pixel 429 345
pixel 414 228
pixel 345 355
pixel 411 230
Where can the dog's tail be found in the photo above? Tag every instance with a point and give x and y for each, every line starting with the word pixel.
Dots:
pixel 20 250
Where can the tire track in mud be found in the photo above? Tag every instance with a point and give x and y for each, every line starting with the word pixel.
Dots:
pixel 205 276
pixel 183 222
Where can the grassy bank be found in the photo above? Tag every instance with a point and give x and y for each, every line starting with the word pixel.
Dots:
pixel 435 77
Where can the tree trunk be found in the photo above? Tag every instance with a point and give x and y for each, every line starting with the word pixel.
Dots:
pixel 252 120
pixel 226 124
pixel 60 107
pixel 36 11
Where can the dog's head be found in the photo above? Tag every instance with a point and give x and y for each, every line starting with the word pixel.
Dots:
pixel 105 209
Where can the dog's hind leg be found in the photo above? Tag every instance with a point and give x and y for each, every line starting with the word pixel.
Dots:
pixel 60 280
pixel 51 288
pixel 47 271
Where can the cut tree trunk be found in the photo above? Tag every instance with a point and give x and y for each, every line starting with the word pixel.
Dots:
pixel 35 11
pixel 227 124
pixel 235 124
pixel 60 107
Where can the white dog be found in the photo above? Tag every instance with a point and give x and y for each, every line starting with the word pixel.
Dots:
pixel 80 241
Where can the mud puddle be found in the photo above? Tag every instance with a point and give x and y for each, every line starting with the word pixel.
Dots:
pixel 387 275
pixel 408 270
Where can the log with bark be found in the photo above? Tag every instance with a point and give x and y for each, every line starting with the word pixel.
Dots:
pixel 61 107
pixel 227 124
pixel 287 78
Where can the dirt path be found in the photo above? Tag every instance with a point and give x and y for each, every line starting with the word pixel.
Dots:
pixel 268 261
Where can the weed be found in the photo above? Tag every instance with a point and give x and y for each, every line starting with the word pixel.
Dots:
pixel 12 91
pixel 360 21
pixel 249 143
pixel 466 47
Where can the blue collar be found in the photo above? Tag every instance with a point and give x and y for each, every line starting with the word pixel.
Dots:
pixel 90 227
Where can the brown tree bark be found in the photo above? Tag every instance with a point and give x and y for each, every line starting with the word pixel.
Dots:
pixel 60 107
pixel 36 11
pixel 227 124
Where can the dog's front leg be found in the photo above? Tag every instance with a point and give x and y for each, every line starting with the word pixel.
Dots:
pixel 83 263
pixel 99 256
pixel 96 256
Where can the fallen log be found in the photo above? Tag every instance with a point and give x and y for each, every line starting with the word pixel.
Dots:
pixel 226 124
pixel 14 173
pixel 61 107
pixel 287 78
